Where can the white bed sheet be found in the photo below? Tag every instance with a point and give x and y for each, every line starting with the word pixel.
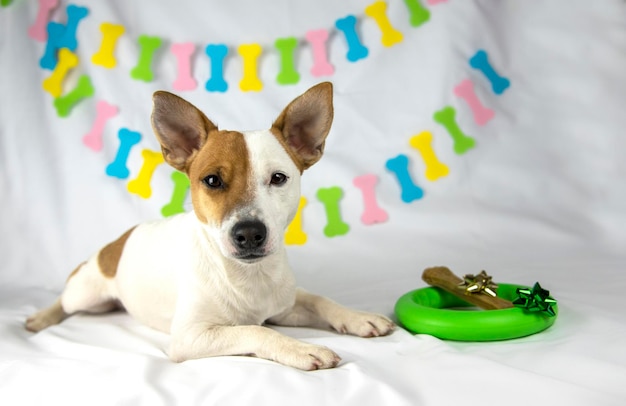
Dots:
pixel 540 198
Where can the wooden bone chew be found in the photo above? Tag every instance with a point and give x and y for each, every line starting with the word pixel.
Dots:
pixel 443 278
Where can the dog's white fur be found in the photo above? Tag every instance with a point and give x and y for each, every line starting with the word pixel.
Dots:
pixel 195 275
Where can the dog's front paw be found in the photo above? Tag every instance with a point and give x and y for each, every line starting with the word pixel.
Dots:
pixel 308 357
pixel 365 325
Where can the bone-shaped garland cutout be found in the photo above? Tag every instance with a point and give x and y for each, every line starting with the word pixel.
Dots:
pixel 143 69
pixel 418 13
pixel 447 118
pixel 49 58
pixel 288 74
pixel 104 111
pixel 400 167
pixel 250 54
pixel 295 234
pixel 179 194
pixel 356 49
pixel 378 11
pixel 321 66
pixel 128 139
pixel 83 90
pixel 183 53
pixel 216 53
pixel 435 169
pixel 37 31
pixel 141 184
pixel 372 212
pixel 53 84
pixel 335 225
pixel 465 90
pixel 74 15
pixel 105 56
pixel 480 61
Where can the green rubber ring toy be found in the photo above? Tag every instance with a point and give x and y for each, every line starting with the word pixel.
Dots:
pixel 431 311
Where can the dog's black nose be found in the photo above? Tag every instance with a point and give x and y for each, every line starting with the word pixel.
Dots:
pixel 249 235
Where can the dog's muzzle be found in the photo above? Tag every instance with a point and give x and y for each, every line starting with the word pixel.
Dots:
pixel 249 238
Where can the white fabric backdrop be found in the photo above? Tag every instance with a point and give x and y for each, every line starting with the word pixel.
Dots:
pixel 540 198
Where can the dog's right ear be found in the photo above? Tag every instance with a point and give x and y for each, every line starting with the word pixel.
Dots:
pixel 180 127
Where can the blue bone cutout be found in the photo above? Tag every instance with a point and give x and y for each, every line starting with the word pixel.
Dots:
pixel 400 167
pixel 356 50
pixel 118 168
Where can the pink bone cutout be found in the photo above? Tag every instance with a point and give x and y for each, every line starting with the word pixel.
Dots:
pixel 432 2
pixel 183 52
pixel 372 213
pixel 321 66
pixel 37 31
pixel 104 111
pixel 465 90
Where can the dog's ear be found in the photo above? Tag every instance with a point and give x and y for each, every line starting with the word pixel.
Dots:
pixel 305 123
pixel 180 127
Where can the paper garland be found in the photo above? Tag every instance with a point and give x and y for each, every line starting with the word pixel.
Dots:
pixel 58 57
pixel 58 36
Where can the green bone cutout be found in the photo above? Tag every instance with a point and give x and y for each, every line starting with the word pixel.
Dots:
pixel 447 118
pixel 83 90
pixel 331 197
pixel 418 13
pixel 179 194
pixel 143 69
pixel 288 74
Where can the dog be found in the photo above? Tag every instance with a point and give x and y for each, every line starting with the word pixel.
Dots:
pixel 213 277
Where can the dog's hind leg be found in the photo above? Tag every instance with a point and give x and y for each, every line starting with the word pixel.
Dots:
pixel 86 290
pixel 51 315
pixel 46 317
pixel 90 288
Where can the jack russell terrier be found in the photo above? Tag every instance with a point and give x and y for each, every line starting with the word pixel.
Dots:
pixel 212 277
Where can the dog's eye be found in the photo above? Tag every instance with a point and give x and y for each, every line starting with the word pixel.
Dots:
pixel 213 182
pixel 278 179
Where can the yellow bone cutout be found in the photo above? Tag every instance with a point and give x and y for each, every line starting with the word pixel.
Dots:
pixel 250 54
pixel 435 169
pixel 105 55
pixel 141 184
pixel 53 84
pixel 378 11
pixel 294 234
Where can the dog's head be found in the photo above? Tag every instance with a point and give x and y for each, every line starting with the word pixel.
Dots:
pixel 245 186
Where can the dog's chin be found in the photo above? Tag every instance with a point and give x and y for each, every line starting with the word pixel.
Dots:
pixel 250 258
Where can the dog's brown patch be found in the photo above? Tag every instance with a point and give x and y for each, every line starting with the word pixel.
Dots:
pixel 224 154
pixel 109 256
pixel 75 271
pixel 292 154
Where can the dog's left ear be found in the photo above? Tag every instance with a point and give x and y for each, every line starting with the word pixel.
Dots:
pixel 305 123
pixel 180 127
